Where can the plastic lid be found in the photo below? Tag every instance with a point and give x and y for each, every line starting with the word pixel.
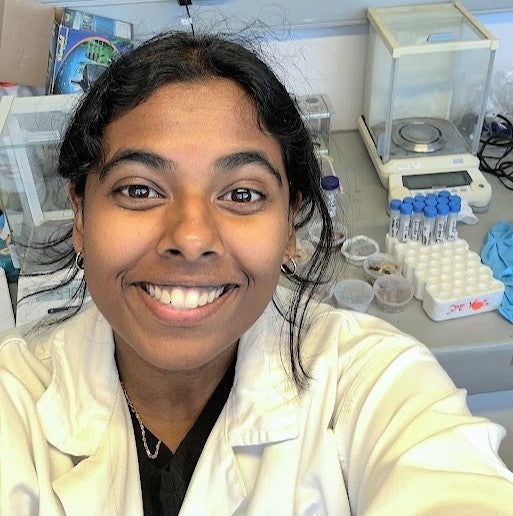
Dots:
pixel 454 207
pixel 420 198
pixel 442 209
pixel 444 193
pixel 442 200
pixel 455 198
pixel 395 204
pixel 430 201
pixel 430 212
pixel 431 196
pixel 408 200
pixel 418 206
pixel 406 208
pixel 330 183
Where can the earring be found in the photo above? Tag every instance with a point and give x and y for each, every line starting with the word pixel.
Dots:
pixel 288 270
pixel 79 261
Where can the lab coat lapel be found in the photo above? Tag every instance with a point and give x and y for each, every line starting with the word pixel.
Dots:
pixel 83 415
pixel 261 409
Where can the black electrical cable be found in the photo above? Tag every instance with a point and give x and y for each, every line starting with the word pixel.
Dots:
pixel 495 154
pixel 189 16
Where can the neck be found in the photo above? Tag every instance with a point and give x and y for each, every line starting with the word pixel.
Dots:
pixel 169 402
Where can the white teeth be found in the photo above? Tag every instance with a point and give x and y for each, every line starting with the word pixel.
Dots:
pixel 183 298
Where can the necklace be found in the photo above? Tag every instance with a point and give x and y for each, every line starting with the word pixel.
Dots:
pixel 142 427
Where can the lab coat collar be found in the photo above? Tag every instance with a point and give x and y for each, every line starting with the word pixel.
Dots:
pixel 77 406
pixel 263 405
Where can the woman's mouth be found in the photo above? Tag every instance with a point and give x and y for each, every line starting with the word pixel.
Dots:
pixel 185 298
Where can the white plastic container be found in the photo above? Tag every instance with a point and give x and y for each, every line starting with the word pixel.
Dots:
pixel 450 279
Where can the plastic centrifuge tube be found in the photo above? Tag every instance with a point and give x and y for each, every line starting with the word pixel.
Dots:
pixel 452 219
pixel 427 224
pixel 416 220
pixel 395 213
pixel 331 187
pixel 442 211
pixel 403 234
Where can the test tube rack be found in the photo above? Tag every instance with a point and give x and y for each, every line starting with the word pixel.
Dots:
pixel 448 278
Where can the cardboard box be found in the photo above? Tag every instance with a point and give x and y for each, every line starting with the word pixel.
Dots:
pixel 25 35
pixel 84 45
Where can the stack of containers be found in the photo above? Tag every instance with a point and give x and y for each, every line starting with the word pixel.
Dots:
pixel 446 275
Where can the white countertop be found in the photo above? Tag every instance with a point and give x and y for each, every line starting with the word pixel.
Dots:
pixel 476 350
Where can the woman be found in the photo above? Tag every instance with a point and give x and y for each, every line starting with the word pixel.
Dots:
pixel 192 382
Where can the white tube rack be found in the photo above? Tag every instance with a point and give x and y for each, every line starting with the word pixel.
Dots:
pixel 448 278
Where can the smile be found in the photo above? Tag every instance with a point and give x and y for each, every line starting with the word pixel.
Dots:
pixel 184 298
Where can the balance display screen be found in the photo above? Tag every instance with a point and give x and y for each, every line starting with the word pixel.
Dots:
pixel 437 180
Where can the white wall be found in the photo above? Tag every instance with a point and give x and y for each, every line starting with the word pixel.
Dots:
pixel 332 61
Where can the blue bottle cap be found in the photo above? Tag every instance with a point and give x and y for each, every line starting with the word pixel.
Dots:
pixel 408 199
pixel 430 201
pixel 406 208
pixel 418 206
pixel 431 196
pixel 444 193
pixel 454 207
pixel 420 198
pixel 455 198
pixel 395 204
pixel 442 200
pixel 442 209
pixel 330 183
pixel 430 212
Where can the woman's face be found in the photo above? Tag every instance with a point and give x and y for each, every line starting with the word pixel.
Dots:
pixel 184 228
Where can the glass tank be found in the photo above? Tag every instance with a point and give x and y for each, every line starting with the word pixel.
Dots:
pixel 32 195
pixel 427 79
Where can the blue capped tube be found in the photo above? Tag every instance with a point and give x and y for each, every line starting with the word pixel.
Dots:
pixel 416 220
pixel 428 223
pixel 404 222
pixel 442 210
pixel 395 214
pixel 452 220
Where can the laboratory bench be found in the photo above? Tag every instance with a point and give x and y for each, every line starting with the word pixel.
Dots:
pixel 476 350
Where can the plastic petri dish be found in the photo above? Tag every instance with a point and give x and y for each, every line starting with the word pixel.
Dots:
pixel 353 294
pixel 392 293
pixel 356 249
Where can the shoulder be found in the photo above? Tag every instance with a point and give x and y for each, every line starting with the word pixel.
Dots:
pixel 27 353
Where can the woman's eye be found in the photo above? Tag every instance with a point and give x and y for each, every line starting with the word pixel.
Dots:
pixel 139 192
pixel 243 195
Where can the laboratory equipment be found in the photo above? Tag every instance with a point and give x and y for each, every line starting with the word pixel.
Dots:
pixel 353 294
pixel 317 118
pixel 356 249
pixel 331 190
pixel 392 293
pixel 427 79
pixel 448 278
pixel 379 264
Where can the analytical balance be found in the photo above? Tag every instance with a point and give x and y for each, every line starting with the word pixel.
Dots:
pixel 427 79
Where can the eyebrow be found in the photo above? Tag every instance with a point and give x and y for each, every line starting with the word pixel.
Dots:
pixel 146 158
pixel 251 157
pixel 157 162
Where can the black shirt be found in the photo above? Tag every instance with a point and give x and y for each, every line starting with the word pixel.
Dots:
pixel 165 479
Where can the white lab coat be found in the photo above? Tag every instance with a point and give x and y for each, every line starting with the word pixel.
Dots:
pixel 380 431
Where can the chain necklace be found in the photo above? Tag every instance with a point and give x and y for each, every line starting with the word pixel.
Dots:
pixel 151 455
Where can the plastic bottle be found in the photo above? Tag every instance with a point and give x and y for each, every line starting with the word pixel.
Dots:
pixel 428 223
pixel 442 210
pixel 452 220
pixel 331 189
pixel 395 214
pixel 403 233
pixel 416 220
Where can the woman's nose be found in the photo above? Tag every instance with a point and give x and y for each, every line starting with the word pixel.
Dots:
pixel 190 229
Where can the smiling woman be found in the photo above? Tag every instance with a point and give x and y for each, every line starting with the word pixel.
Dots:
pixel 192 382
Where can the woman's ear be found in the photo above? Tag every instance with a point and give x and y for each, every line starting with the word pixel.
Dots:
pixel 78 218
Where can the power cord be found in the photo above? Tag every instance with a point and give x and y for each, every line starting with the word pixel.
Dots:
pixel 495 149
